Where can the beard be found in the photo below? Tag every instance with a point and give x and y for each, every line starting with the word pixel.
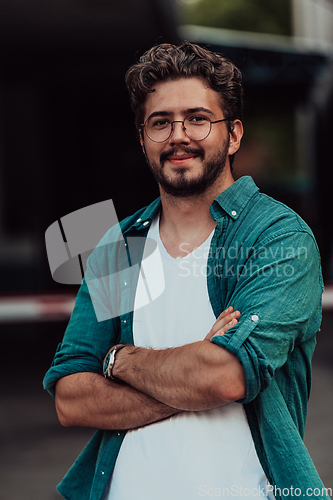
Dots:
pixel 183 186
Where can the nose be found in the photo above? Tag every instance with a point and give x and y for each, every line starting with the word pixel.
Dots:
pixel 178 134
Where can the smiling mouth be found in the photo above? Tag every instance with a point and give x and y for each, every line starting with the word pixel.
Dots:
pixel 181 159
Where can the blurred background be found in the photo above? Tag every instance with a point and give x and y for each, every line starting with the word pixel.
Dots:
pixel 67 140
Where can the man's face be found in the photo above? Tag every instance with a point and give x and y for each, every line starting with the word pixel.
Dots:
pixel 183 166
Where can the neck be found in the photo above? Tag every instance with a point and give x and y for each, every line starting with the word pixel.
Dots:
pixel 187 220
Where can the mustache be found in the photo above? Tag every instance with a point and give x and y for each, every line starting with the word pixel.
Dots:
pixel 172 151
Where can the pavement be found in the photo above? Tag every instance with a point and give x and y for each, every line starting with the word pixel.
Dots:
pixel 36 451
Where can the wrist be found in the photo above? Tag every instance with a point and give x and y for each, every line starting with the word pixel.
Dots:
pixel 120 367
pixel 110 361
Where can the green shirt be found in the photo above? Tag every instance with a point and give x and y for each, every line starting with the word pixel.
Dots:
pixel 263 261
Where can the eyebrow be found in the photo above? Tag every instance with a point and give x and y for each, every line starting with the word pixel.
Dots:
pixel 186 111
pixel 196 110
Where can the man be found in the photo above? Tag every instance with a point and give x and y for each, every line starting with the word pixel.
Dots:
pixel 211 398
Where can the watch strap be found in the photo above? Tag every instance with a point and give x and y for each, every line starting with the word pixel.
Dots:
pixel 110 361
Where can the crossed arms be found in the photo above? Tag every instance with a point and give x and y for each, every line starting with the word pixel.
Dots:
pixel 156 384
pixel 159 383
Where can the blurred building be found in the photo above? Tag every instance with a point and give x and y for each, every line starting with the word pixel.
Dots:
pixel 313 27
pixel 313 23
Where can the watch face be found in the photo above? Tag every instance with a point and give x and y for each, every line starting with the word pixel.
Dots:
pixel 106 363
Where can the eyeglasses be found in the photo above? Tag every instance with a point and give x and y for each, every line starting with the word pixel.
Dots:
pixel 196 128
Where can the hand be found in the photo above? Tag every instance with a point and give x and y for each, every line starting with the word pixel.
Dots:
pixel 226 320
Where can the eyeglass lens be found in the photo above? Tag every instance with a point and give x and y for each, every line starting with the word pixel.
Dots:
pixel 160 129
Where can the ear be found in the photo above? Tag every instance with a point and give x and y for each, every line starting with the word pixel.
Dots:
pixel 143 144
pixel 141 137
pixel 235 137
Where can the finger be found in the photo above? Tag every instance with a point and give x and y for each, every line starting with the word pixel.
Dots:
pixel 220 323
pixel 225 313
pixel 226 327
pixel 224 324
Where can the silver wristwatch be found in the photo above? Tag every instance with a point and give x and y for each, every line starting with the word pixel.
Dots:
pixel 110 360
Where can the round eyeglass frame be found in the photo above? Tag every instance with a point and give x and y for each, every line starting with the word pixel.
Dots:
pixel 143 125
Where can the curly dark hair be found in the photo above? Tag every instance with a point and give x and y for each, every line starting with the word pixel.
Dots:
pixel 167 62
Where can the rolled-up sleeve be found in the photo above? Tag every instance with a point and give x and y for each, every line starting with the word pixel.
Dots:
pixel 278 293
pixel 84 344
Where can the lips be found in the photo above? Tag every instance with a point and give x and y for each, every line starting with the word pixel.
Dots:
pixel 182 157
pixel 181 160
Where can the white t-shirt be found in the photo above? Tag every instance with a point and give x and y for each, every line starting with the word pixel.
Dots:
pixel 191 454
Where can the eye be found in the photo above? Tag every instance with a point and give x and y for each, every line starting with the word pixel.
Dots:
pixel 159 123
pixel 197 120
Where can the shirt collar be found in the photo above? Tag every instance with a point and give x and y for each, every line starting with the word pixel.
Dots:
pixel 234 199
pixel 144 220
pixel 231 201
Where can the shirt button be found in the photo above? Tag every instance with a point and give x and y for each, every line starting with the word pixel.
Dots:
pixel 254 317
pixel 233 213
pixel 103 472
pixel 124 320
pixel 125 282
pixel 145 223
pixel 139 220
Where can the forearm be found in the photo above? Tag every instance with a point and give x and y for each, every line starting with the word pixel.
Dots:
pixel 197 376
pixel 89 400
